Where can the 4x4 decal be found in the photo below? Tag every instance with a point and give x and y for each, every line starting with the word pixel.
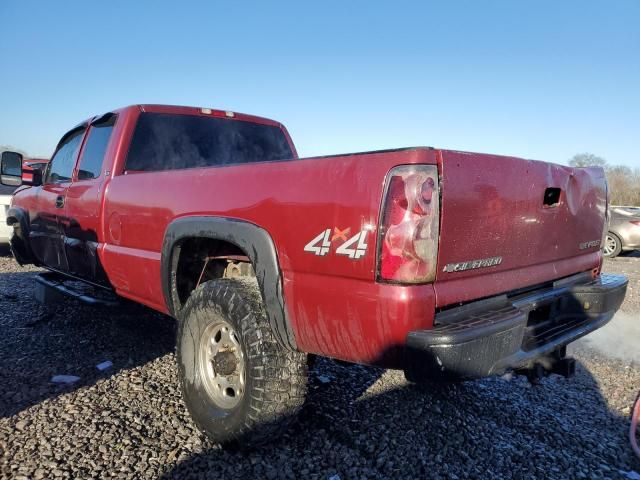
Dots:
pixel 319 245
pixel 354 247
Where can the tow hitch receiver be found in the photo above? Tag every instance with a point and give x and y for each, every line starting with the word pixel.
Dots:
pixel 556 363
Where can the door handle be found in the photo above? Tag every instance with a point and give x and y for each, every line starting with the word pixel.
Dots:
pixel 59 201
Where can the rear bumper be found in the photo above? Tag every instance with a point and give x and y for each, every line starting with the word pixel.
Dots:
pixel 492 336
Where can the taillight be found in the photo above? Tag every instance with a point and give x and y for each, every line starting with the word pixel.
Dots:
pixel 408 238
pixel 635 222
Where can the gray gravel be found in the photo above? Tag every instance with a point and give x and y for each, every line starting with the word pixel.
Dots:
pixel 628 265
pixel 130 422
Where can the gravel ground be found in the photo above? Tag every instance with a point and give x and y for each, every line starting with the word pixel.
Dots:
pixel 130 422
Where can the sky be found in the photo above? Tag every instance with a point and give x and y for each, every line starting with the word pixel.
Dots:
pixel 542 80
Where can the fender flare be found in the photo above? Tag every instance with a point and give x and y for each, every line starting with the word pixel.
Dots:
pixel 254 241
pixel 20 245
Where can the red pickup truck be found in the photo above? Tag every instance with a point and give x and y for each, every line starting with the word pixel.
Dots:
pixel 448 265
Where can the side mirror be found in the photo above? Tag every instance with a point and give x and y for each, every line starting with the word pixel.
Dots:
pixel 11 169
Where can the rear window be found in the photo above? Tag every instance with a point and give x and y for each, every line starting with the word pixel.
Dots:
pixel 167 142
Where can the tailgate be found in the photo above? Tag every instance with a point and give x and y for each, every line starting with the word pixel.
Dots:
pixel 496 232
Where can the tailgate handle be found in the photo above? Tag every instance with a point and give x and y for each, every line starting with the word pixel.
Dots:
pixel 551 197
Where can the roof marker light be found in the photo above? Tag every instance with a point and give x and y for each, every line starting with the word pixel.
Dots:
pixel 206 111
pixel 230 114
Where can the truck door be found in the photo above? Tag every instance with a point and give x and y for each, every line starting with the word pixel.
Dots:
pixel 81 224
pixel 45 235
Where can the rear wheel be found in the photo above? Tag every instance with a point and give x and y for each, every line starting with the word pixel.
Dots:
pixel 239 384
pixel 612 245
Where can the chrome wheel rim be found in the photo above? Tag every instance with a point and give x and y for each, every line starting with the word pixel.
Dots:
pixel 221 364
pixel 609 245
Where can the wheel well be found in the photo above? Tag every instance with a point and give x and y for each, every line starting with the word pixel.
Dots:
pixel 611 232
pixel 191 241
pixel 200 259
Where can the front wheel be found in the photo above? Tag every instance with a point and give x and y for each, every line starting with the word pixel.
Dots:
pixel 239 384
pixel 612 245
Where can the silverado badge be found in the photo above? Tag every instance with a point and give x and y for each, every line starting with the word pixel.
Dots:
pixel 589 244
pixel 472 264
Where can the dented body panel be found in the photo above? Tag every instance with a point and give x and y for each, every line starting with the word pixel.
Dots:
pixel 493 206
pixel 323 217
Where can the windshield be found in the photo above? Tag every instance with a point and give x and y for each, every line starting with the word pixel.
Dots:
pixel 628 211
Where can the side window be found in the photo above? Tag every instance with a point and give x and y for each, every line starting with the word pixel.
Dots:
pixel 62 163
pixel 96 147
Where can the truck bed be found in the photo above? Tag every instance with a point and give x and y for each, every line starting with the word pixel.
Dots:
pixel 491 207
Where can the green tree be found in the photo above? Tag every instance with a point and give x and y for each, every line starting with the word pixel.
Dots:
pixel 624 182
pixel 13 149
pixel 587 160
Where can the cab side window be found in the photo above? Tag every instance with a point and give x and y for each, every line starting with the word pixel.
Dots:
pixel 96 147
pixel 62 163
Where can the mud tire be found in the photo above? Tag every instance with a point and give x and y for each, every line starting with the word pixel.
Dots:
pixel 275 377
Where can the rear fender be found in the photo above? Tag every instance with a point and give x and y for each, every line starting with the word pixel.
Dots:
pixel 257 245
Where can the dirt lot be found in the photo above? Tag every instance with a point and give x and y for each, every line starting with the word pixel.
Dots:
pixel 129 421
